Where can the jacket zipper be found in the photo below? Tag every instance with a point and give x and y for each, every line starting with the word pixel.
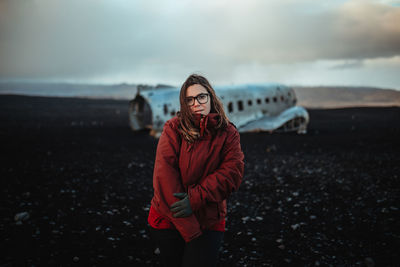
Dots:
pixel 191 147
pixel 190 154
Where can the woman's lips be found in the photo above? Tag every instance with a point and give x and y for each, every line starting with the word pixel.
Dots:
pixel 198 111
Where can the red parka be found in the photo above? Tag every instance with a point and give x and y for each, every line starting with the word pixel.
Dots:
pixel 208 170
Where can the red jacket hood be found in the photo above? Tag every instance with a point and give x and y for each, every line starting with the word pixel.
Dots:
pixel 207 122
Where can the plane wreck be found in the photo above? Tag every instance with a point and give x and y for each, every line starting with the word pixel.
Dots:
pixel 251 107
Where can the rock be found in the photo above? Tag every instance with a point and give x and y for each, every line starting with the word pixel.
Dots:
pixel 126 223
pixel 22 216
pixel 245 219
pixel 295 226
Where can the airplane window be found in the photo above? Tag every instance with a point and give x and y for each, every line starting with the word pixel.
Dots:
pixel 258 101
pixel 165 109
pixel 282 98
pixel 275 99
pixel 249 102
pixel 240 105
pixel 230 107
pixel 267 100
pixel 288 94
pixel 173 113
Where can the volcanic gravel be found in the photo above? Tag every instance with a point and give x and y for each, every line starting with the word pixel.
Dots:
pixel 76 185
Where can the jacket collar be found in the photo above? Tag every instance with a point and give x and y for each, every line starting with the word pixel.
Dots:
pixel 206 123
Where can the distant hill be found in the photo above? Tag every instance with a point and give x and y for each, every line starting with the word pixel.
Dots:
pixel 116 91
pixel 310 97
pixel 334 97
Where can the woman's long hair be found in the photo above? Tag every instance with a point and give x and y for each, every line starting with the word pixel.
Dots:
pixel 187 119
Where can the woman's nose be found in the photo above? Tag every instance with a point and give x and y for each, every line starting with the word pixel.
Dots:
pixel 196 102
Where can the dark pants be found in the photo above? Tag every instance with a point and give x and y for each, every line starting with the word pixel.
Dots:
pixel 202 251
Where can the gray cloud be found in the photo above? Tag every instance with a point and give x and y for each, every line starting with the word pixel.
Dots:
pixel 91 40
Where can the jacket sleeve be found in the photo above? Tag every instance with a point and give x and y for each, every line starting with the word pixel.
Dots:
pixel 167 180
pixel 218 185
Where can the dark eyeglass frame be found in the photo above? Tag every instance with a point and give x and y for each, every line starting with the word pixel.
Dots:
pixel 192 99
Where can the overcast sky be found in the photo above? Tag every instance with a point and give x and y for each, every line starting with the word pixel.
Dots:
pixel 295 42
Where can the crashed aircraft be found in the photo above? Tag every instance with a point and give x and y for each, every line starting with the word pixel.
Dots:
pixel 251 107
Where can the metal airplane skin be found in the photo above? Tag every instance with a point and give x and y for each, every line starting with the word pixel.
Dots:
pixel 251 107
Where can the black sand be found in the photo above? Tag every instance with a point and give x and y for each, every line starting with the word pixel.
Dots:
pixel 330 197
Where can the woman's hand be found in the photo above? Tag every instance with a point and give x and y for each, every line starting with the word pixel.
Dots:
pixel 182 207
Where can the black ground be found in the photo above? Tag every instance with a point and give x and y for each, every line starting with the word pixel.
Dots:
pixel 329 197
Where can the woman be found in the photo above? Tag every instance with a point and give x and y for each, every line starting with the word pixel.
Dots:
pixel 199 162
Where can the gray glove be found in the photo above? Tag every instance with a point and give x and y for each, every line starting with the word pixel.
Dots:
pixel 182 207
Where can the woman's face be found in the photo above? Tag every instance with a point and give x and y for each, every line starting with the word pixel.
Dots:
pixel 198 99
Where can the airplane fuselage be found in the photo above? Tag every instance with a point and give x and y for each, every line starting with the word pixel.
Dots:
pixel 253 107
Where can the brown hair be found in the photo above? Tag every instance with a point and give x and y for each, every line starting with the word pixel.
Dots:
pixel 187 119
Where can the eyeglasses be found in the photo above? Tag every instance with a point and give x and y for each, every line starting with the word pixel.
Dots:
pixel 201 98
